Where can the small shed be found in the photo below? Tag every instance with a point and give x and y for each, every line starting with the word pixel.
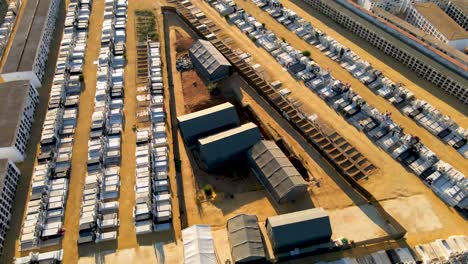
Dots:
pixel 208 61
pixel 198 245
pixel 276 172
pixel 246 239
pixel 299 229
pixel 207 121
pixel 228 145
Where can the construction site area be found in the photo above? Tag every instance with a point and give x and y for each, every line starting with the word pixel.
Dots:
pixel 192 113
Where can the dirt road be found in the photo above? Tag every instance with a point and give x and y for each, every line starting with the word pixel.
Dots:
pixel 127 235
pixel 80 146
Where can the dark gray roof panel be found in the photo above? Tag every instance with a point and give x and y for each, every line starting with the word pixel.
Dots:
pixel 276 172
pixel 245 238
pixel 208 55
pixel 287 231
pixel 13 98
pixel 227 145
pixel 198 124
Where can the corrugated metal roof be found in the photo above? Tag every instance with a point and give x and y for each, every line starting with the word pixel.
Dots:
pixel 275 170
pixel 198 245
pixel 245 238
pixel 208 55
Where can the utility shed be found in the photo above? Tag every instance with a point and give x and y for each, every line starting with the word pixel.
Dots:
pixel 228 145
pixel 208 61
pixel 299 229
pixel 276 172
pixel 207 121
pixel 246 239
pixel 198 245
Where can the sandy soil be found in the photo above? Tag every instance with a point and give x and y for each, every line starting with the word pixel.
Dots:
pixel 196 95
pixel 390 182
pixel 80 148
pixel 158 253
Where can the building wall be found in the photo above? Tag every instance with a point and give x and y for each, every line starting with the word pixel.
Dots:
pixel 47 32
pixel 422 69
pixel 6 200
pixel 416 19
pixel 456 14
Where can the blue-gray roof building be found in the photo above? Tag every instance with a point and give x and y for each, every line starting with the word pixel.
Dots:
pixel 207 122
pixel 274 170
pixel 298 230
pixel 229 145
pixel 208 61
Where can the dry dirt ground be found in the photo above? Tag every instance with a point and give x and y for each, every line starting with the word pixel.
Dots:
pixel 235 195
pixel 398 189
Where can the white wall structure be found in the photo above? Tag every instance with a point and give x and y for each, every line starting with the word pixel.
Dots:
pixel 429 18
pixel 458 11
pixel 18 100
pixel 29 50
pixel 9 175
pixel 418 58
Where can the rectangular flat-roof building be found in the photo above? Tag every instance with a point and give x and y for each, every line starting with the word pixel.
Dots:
pixel 228 145
pixel 207 121
pixel 208 61
pixel 299 229
pixel 29 50
pixel 432 19
pixel 18 100
pixel 276 172
pixel 9 175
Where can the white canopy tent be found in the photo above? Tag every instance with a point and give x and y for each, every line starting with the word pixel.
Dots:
pixel 198 245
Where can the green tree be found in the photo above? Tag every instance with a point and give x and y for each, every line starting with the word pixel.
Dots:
pixel 306 53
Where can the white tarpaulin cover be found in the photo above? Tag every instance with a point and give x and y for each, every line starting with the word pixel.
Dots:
pixel 198 245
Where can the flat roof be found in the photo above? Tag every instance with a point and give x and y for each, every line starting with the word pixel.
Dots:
pixel 27 37
pixel 13 97
pixel 462 5
pixel 227 133
pixel 205 112
pixel 296 217
pixel 440 20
